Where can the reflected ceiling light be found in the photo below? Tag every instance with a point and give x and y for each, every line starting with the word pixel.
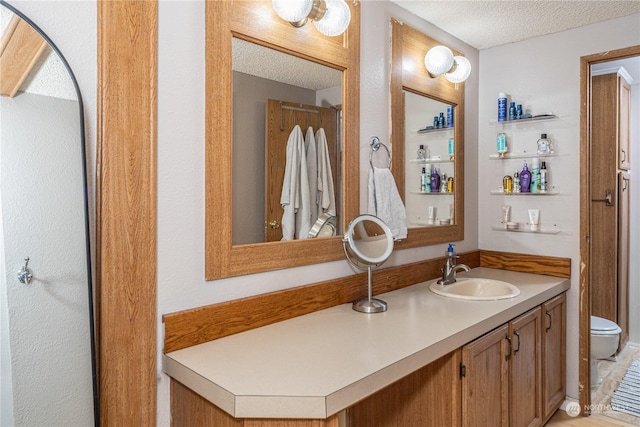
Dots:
pixel 440 60
pixel 330 17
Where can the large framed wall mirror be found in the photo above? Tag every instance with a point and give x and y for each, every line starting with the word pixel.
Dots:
pixel 270 88
pixel 427 121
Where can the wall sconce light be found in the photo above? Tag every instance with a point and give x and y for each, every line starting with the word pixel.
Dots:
pixel 330 17
pixel 440 60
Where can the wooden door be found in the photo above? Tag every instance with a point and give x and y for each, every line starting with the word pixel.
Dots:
pixel 624 233
pixel 281 117
pixel 553 355
pixel 429 397
pixel 485 388
pixel 624 124
pixel 603 183
pixel 525 371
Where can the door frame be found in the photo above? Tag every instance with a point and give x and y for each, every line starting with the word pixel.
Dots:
pixel 585 216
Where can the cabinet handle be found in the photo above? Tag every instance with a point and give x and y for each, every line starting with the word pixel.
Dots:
pixel 624 156
pixel 508 355
pixel 608 198
pixel 550 320
pixel 517 335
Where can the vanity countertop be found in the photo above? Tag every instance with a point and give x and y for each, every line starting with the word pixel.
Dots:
pixel 315 365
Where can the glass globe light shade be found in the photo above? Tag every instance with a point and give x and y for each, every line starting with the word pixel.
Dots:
pixel 461 70
pixel 335 20
pixel 438 60
pixel 292 10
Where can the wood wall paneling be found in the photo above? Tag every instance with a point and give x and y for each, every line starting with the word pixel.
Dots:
pixel 536 264
pixel 126 211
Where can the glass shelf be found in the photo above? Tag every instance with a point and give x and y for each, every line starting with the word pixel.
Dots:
pixel 536 118
pixel 521 156
pixel 553 192
pixel 433 193
pixel 430 161
pixel 524 228
pixel 421 131
pixel 424 224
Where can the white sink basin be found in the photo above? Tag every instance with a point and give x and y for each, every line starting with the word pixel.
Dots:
pixel 476 289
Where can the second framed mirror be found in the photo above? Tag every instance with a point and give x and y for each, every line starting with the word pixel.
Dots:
pixel 427 136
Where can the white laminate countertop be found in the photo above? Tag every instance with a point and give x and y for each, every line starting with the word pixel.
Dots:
pixel 316 365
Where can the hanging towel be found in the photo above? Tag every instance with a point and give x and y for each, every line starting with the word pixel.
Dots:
pixel 325 201
pixel 295 199
pixel 385 201
pixel 312 172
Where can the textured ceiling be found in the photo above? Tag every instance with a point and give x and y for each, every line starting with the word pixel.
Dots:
pixel 270 64
pixel 484 24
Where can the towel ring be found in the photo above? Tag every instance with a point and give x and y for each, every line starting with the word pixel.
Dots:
pixel 375 146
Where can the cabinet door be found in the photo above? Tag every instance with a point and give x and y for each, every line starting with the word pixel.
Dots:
pixel 429 397
pixel 485 389
pixel 525 370
pixel 624 106
pixel 624 194
pixel 553 354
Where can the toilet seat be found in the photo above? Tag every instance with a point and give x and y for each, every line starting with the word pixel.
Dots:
pixel 600 326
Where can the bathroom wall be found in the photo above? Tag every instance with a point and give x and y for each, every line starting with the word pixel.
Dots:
pixel 543 74
pixel 181 168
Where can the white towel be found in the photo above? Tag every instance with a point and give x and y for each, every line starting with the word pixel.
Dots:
pixel 385 202
pixel 295 200
pixel 312 172
pixel 326 198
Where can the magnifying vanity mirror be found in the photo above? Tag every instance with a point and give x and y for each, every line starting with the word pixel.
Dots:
pixel 368 242
pixel 257 77
pixel 427 116
pixel 47 347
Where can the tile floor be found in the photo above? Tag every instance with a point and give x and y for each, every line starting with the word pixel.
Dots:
pixel 611 374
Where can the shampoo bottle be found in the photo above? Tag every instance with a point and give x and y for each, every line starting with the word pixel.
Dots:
pixel 502 107
pixel 535 175
pixel 502 144
pixel 435 180
pixel 516 182
pixel 525 179
pixel 425 185
pixel 450 116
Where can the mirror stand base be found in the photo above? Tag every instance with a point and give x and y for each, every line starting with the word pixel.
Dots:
pixel 370 305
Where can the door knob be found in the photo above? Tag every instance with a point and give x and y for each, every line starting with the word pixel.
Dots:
pixel 274 224
pixel 608 198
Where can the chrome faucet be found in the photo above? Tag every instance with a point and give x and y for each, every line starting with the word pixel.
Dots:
pixel 450 267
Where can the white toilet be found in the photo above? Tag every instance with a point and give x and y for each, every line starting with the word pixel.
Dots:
pixel 605 336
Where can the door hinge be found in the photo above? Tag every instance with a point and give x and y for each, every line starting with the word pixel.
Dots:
pixel 463 370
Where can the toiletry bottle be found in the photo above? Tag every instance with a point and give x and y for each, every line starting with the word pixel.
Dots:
pixel 525 179
pixel 450 116
pixel 507 184
pixel 512 111
pixel 519 111
pixel 441 123
pixel 423 181
pixel 516 182
pixel 450 184
pixel 422 153
pixel 451 149
pixel 435 180
pixel 535 175
pixel 435 122
pixel 544 178
pixel 443 183
pixel 502 144
pixel 502 107
pixel 544 146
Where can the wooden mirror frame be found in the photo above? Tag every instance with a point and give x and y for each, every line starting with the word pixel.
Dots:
pixel 255 21
pixel 409 45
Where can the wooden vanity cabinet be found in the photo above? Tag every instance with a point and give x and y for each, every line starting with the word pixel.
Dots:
pixel 554 355
pixel 502 374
